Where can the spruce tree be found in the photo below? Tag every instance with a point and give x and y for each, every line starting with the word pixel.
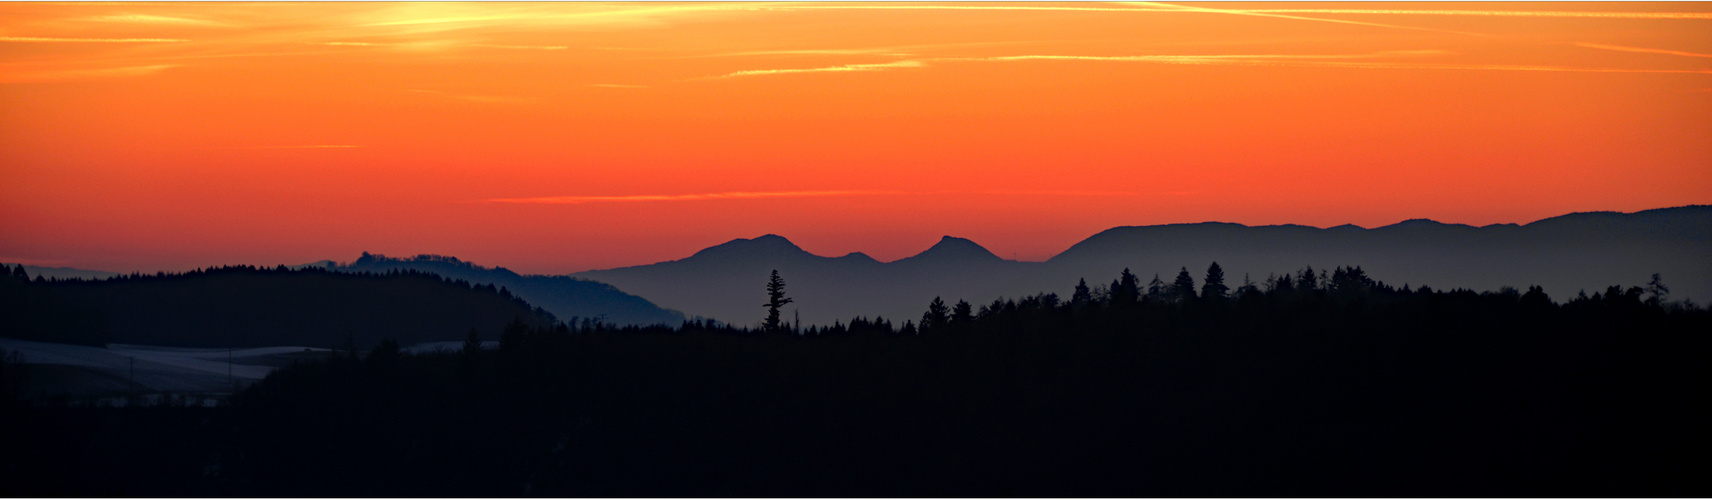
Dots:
pixel 775 300
pixel 1081 297
pixel 1184 287
pixel 935 317
pixel 1214 287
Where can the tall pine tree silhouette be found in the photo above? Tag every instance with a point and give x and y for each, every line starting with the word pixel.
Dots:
pixel 775 299
pixel 1214 287
pixel 1184 288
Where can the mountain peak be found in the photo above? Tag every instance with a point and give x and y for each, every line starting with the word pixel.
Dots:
pixel 767 244
pixel 951 247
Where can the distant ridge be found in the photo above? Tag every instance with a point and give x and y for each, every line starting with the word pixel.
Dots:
pixel 725 281
pixel 1564 254
pixel 566 297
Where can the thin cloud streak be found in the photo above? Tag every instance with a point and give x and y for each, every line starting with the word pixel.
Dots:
pixel 750 195
pixel 735 195
pixel 1187 8
pixel 152 19
pixel 1178 8
pixel 830 69
pixel 1277 60
pixel 39 39
pixel 314 146
pixel 79 74
pixel 522 47
pixel 616 86
pixel 1642 50
pixel 1496 13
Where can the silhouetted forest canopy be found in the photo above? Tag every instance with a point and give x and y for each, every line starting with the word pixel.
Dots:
pixel 1311 383
pixel 248 306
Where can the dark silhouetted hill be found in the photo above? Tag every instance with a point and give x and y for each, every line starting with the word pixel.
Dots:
pixel 67 272
pixel 251 307
pixel 564 296
pixel 1565 255
pixel 726 282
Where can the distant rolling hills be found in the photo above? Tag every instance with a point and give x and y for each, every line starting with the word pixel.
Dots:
pixel 1565 255
pixel 726 282
pixel 250 307
pixel 564 296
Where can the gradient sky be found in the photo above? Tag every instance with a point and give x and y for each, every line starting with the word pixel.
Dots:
pixel 553 137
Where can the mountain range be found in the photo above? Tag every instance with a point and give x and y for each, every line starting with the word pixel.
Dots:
pixel 565 297
pixel 1565 255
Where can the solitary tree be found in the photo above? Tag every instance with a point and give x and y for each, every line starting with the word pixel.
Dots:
pixel 1214 287
pixel 775 299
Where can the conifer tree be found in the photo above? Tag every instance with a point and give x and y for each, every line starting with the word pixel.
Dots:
pixel 935 317
pixel 1184 287
pixel 962 314
pixel 1126 291
pixel 1081 297
pixel 775 299
pixel 1156 288
pixel 1214 287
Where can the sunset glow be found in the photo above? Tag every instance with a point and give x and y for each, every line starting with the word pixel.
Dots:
pixel 561 137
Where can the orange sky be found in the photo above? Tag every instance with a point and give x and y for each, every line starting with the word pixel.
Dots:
pixel 553 137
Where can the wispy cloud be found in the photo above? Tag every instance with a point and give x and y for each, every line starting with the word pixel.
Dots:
pixel 1495 13
pixel 1151 7
pixel 616 86
pixel 811 52
pixel 827 69
pixel 443 44
pixel 521 47
pixel 1244 12
pixel 53 75
pixel 153 19
pixel 734 195
pixel 751 195
pixel 314 146
pixel 1621 48
pixel 1351 61
pixel 41 39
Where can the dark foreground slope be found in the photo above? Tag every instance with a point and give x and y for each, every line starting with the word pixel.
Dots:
pixel 564 296
pixel 251 307
pixel 1345 389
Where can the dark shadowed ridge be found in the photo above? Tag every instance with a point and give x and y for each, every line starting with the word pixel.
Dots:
pixel 566 297
pixel 725 281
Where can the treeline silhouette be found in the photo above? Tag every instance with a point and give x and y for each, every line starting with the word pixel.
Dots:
pixel 248 306
pixel 1311 384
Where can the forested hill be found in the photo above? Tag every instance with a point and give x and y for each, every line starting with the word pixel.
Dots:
pixel 1565 255
pixel 251 307
pixel 564 296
